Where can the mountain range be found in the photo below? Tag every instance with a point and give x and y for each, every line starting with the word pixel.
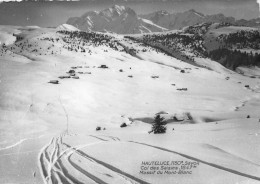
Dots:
pixel 124 20
pixel 183 19
pixel 118 19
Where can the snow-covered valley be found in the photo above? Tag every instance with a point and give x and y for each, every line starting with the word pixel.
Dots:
pixel 56 89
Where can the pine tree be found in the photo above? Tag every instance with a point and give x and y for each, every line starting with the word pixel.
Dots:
pixel 158 126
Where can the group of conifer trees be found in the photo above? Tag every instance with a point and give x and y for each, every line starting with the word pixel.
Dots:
pixel 234 58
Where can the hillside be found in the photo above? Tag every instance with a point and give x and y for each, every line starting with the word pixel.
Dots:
pixel 65 96
pixel 184 19
pixel 231 46
pixel 191 17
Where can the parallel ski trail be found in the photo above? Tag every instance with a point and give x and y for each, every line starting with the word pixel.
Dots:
pixel 202 161
pixel 110 167
pixel 57 166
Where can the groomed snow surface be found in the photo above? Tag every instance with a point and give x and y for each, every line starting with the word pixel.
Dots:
pixel 220 144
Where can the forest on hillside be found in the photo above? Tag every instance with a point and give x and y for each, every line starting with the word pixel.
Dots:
pixel 242 39
pixel 234 58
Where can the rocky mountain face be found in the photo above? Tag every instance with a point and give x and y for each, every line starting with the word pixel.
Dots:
pixel 118 19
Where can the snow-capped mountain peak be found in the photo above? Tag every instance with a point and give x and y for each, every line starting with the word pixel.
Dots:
pixel 119 8
pixel 124 20
pixel 115 11
pixel 118 19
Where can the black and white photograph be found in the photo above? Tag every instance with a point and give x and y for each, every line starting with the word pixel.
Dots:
pixel 129 91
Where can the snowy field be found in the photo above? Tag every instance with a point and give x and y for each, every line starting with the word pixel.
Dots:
pixel 219 144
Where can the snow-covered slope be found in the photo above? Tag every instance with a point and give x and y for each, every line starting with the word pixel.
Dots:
pixel 118 19
pixel 183 19
pixel 231 46
pixel 6 35
pixel 192 17
pixel 67 27
pixel 218 143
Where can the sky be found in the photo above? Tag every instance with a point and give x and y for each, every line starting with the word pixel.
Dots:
pixel 51 14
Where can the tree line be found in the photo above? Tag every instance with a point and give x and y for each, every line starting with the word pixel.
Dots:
pixel 234 58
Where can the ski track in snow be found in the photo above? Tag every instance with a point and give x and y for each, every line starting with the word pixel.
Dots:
pixel 254 90
pixel 57 161
pixel 19 143
pixel 202 161
pixel 14 145
pixel 56 156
